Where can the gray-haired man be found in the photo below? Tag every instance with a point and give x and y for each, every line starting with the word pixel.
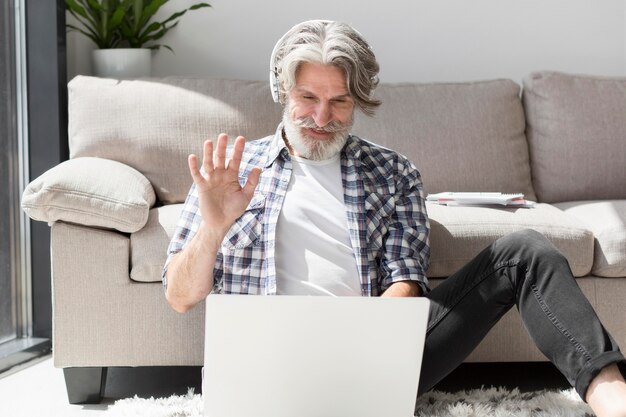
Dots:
pixel 322 212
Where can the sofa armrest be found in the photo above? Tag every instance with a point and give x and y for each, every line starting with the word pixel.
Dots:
pixel 92 192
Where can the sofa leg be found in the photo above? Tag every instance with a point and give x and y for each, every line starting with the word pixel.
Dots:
pixel 85 385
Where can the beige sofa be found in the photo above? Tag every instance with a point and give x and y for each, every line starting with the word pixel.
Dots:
pixel 114 205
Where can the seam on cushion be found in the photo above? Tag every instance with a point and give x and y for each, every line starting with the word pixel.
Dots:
pixel 97 230
pixel 90 195
pixel 117 219
pixel 614 271
pixel 465 260
pixel 549 226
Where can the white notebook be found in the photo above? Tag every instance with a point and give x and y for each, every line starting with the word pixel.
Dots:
pixel 480 198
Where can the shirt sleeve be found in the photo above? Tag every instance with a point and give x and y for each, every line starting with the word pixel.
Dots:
pixel 407 250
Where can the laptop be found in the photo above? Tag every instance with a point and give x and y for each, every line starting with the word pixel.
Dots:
pixel 305 356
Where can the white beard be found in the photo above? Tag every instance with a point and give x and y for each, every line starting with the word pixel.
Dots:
pixel 312 148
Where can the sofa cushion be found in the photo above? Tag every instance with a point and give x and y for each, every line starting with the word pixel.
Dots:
pixel 148 246
pixel 462 137
pixel 607 220
pixel 153 124
pixel 459 233
pixel 91 192
pixel 576 128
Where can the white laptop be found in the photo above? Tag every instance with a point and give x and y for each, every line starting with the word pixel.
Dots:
pixel 304 356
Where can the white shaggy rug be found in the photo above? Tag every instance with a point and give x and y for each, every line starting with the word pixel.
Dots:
pixel 489 402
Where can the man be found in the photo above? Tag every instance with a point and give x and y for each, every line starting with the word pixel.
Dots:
pixel 315 210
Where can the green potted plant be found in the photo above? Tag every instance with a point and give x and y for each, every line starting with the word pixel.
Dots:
pixel 124 31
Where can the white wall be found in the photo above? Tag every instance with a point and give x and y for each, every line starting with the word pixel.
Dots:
pixel 414 40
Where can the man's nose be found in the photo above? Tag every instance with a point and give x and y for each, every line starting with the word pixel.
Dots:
pixel 322 114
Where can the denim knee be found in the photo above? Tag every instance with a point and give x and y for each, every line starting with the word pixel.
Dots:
pixel 528 243
pixel 525 237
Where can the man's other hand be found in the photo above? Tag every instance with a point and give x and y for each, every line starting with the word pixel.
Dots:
pixel 403 289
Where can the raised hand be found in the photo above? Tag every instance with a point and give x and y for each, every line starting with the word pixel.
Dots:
pixel 222 200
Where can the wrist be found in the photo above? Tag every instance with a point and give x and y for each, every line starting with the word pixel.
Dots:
pixel 210 237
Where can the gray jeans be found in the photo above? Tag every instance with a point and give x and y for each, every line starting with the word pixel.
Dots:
pixel 526 270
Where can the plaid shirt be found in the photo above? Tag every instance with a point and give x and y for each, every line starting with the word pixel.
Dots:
pixel 385 214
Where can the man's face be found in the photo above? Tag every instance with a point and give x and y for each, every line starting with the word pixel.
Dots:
pixel 319 112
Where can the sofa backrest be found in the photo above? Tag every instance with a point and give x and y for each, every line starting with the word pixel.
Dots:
pixel 462 137
pixel 152 125
pixel 576 128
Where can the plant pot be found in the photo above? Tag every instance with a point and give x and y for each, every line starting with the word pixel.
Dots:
pixel 122 62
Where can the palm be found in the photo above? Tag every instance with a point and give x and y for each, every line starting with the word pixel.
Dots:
pixel 221 201
pixel 221 198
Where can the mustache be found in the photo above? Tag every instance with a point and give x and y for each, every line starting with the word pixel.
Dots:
pixel 308 123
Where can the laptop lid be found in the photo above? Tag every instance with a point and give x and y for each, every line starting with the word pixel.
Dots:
pixel 288 356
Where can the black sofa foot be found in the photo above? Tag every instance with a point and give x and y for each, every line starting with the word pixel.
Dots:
pixel 85 385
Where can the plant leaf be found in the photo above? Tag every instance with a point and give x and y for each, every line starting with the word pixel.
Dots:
pixel 95 5
pixel 137 11
pixel 85 16
pixel 110 23
pixel 117 17
pixel 88 25
pixel 199 6
pixel 94 9
pixel 84 21
pixel 150 10
pixel 182 12
pixel 174 16
pixel 154 26
pixel 76 8
pixel 96 40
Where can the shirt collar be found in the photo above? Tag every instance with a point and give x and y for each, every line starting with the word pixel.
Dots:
pixel 352 149
pixel 277 147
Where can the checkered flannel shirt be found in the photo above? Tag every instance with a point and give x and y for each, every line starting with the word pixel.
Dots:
pixel 385 214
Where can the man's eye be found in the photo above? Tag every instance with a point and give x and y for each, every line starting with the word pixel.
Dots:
pixel 308 97
pixel 342 103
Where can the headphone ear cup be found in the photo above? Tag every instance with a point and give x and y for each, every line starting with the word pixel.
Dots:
pixel 274 86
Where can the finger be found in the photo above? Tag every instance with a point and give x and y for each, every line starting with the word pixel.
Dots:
pixel 192 161
pixel 207 156
pixel 219 156
pixel 252 182
pixel 235 158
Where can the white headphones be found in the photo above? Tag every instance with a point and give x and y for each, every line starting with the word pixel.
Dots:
pixel 274 83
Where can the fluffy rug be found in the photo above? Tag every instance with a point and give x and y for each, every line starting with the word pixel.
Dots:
pixel 500 402
pixel 491 402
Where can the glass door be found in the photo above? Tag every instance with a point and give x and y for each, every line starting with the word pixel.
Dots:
pixel 16 342
pixel 8 159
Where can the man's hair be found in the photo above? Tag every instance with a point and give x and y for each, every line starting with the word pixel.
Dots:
pixel 329 43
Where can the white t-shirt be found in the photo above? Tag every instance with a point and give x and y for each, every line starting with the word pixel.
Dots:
pixel 313 251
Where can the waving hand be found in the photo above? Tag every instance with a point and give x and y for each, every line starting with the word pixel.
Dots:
pixel 221 198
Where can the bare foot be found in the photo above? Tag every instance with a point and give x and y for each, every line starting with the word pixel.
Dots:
pixel 607 393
